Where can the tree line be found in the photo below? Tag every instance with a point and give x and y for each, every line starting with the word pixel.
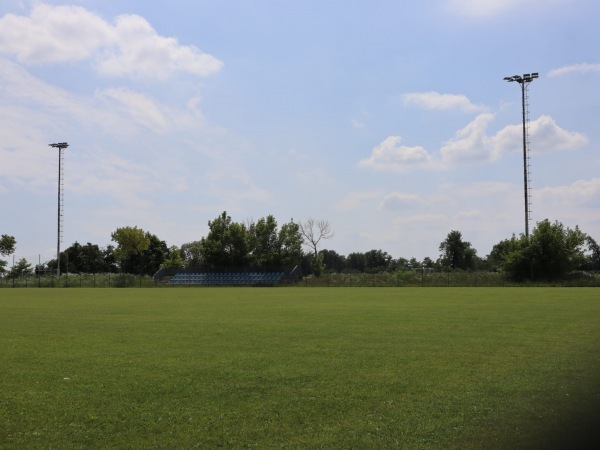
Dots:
pixel 551 252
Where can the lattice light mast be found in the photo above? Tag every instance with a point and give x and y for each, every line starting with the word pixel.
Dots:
pixel 524 82
pixel 60 146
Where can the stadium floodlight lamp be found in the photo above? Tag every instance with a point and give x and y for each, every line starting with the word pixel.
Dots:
pixel 60 146
pixel 524 82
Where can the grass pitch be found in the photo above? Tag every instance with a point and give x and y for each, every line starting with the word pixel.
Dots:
pixel 299 368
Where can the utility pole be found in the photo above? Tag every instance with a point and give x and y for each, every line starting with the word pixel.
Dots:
pixel 60 146
pixel 524 82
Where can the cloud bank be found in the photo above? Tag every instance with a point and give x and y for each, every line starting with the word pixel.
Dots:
pixel 472 144
pixel 128 48
pixel 573 69
pixel 437 101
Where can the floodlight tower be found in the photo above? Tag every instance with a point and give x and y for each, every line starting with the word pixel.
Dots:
pixel 60 146
pixel 524 82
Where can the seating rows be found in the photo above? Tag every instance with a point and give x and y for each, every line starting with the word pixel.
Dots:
pixel 227 279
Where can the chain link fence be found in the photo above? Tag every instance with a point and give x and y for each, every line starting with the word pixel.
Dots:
pixel 416 278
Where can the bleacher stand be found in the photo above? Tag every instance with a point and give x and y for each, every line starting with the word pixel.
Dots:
pixel 199 277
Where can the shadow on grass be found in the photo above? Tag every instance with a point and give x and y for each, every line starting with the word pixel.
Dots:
pixel 579 430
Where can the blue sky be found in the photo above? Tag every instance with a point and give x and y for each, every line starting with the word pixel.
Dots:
pixel 391 120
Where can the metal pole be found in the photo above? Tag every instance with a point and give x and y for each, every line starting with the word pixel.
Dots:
pixel 60 146
pixel 524 82
pixel 526 191
pixel 58 215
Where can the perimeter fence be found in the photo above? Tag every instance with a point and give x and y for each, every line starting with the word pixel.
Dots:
pixel 415 278
pixel 80 280
pixel 424 278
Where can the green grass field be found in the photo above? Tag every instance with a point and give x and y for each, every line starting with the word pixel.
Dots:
pixel 407 368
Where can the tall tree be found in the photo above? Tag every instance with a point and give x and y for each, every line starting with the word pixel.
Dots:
pixel 191 252
pixel 333 261
pixel 314 231
pixel 356 261
pixel 21 269
pixel 456 253
pixel 377 261
pixel 554 250
pixel 110 260
pixel 592 261
pixel 174 259
pixel 290 244
pixel 549 253
pixel 132 242
pixel 265 242
pixel 155 255
pixel 227 244
pixel 7 247
pixel 428 263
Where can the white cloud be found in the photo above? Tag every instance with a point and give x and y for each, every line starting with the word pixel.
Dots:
pixel 574 68
pixel 53 34
pixel 390 155
pixel 572 204
pixel 437 101
pixel 108 133
pixel 547 136
pixel 579 192
pixel 130 47
pixel 142 109
pixel 127 181
pixel 472 144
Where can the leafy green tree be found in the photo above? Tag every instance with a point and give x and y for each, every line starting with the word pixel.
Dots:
pixel 232 245
pixel 155 255
pixel 414 264
pixel 88 258
pixel 377 261
pixel 132 243
pixel 191 253
pixel 550 253
pixel 555 250
pixel 174 259
pixel 110 260
pixel 503 255
pixel 21 269
pixel 402 264
pixel 592 261
pixel 332 261
pixel 428 263
pixel 265 242
pixel 7 247
pixel 290 244
pixel 92 259
pixel 227 244
pixel 356 262
pixel 456 253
